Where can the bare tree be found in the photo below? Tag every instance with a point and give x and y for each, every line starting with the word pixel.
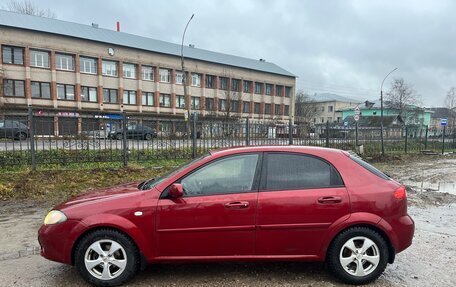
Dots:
pixel 28 8
pixel 305 108
pixel 450 99
pixel 403 98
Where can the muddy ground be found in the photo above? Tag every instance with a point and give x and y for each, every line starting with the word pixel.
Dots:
pixel 430 261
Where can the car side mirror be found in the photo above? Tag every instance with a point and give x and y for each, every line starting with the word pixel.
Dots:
pixel 176 190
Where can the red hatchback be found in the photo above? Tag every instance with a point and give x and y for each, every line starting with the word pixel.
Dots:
pixel 250 203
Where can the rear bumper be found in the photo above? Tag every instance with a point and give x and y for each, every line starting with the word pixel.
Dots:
pixel 402 230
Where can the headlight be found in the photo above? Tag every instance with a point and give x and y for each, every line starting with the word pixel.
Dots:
pixel 54 217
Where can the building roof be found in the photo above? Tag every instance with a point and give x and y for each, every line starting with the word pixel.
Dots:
pixel 442 113
pixel 376 105
pixel 81 31
pixel 328 97
pixel 374 121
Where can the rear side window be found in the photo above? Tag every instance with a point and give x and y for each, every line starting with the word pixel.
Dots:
pixel 294 171
pixel 369 167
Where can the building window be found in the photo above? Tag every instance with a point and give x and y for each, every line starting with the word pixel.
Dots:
pixel 330 119
pixel 39 59
pixel 110 96
pixel 41 90
pixel 147 99
pixel 279 90
pixel 165 100
pixel 246 107
pixel 180 102
pixel 287 110
pixel 129 71
pixel 164 75
pixel 221 105
pixel 247 86
pixel 129 97
pixel 210 104
pixel 268 89
pixel 210 81
pixel 12 55
pixel 109 68
pixel 13 88
pixel 277 110
pixel 196 80
pixel 267 109
pixel 147 73
pixel 179 77
pixel 64 62
pixel 322 120
pixel 256 108
pixel 258 88
pixel 322 109
pixel 287 91
pixel 89 94
pixel 65 92
pixel 330 109
pixel 195 103
pixel 223 83
pixel 88 65
pixel 235 85
pixel 234 106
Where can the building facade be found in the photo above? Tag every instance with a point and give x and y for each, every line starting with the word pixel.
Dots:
pixel 66 70
pixel 328 107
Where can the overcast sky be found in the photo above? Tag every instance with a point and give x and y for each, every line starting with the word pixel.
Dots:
pixel 344 47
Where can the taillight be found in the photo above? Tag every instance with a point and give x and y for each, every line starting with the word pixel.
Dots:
pixel 400 193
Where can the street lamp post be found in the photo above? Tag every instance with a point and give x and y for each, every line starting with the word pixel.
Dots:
pixel 184 77
pixel 381 110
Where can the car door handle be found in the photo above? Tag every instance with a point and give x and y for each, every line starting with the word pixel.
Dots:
pixel 330 199
pixel 237 204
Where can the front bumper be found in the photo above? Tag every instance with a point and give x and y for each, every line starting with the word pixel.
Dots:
pixel 56 241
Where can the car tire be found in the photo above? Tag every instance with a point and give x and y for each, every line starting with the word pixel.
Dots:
pixel 362 265
pixel 118 136
pixel 121 265
pixel 21 136
pixel 147 137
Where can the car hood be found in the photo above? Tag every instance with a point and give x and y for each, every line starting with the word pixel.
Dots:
pixel 101 195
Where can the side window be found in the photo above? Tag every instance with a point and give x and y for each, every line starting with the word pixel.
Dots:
pixel 292 171
pixel 229 175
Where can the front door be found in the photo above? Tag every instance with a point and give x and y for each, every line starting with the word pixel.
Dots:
pixel 300 197
pixel 216 215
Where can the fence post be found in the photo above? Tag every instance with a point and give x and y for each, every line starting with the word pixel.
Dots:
pixel 406 138
pixel 327 133
pixel 426 138
pixel 290 132
pixel 194 134
pixel 356 134
pixel 124 140
pixel 32 138
pixel 247 132
pixel 381 138
pixel 443 140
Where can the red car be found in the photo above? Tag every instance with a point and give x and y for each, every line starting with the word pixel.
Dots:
pixel 239 204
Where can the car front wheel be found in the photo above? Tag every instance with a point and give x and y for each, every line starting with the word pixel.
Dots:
pixel 106 258
pixel 358 255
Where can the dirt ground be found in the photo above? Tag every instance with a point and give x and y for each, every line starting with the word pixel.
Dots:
pixel 428 262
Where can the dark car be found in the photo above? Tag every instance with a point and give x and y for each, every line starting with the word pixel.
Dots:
pixel 13 129
pixel 135 132
pixel 242 204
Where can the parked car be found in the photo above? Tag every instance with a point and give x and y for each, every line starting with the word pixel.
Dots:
pixel 243 204
pixel 135 132
pixel 13 129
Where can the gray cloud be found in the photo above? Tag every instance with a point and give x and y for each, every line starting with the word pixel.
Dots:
pixel 345 47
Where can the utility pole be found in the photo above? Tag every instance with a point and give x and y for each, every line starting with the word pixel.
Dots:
pixel 381 111
pixel 184 78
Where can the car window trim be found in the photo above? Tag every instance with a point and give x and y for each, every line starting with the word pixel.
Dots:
pixel 256 178
pixel 262 185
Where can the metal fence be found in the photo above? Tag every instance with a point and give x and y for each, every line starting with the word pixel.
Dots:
pixel 36 139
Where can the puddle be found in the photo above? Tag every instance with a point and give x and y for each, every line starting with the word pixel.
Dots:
pixel 443 187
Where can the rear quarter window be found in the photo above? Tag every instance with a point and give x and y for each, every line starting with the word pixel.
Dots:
pixel 369 167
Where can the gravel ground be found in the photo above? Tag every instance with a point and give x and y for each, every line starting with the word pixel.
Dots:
pixel 428 262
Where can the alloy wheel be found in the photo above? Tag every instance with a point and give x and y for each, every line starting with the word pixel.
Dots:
pixel 105 259
pixel 359 256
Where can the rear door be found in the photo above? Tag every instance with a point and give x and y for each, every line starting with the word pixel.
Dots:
pixel 300 197
pixel 216 215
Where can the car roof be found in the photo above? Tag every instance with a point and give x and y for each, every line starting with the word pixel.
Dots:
pixel 274 148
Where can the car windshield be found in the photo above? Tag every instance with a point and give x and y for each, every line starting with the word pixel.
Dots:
pixel 154 181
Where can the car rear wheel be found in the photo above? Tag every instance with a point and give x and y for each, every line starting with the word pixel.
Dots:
pixel 358 255
pixel 147 137
pixel 21 136
pixel 118 136
pixel 106 258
